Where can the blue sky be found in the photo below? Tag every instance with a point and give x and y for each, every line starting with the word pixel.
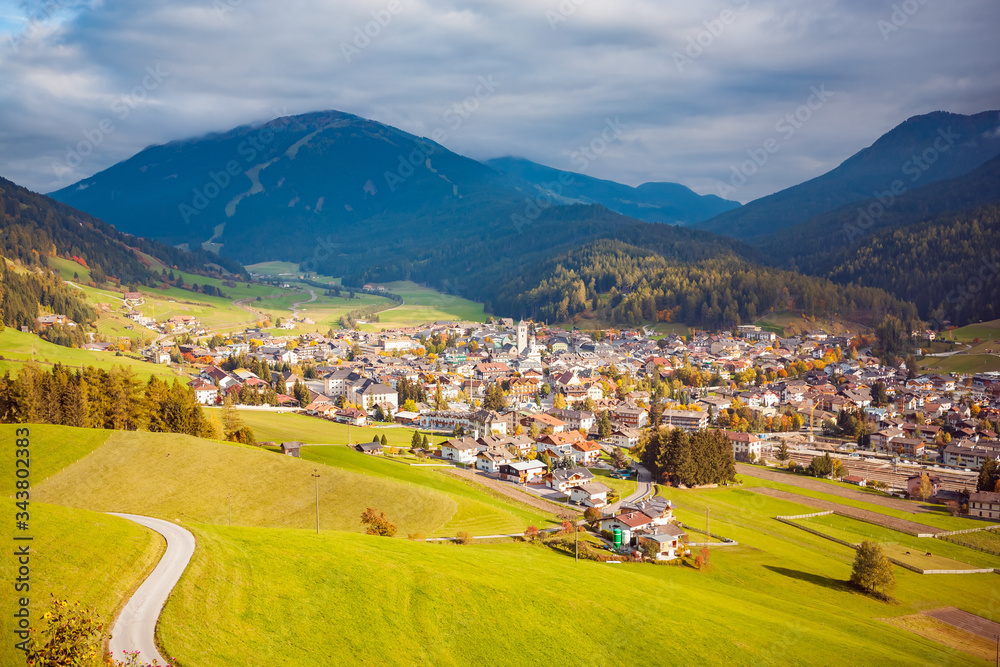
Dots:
pixel 697 84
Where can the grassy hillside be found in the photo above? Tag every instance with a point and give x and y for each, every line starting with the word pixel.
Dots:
pixel 17 347
pixel 479 512
pixel 55 447
pixel 95 559
pixel 177 477
pixel 778 599
pixel 280 426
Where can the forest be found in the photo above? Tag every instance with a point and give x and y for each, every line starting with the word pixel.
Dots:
pixel 96 398
pixel 690 459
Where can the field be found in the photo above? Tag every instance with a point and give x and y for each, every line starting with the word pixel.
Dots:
pixel 17 347
pixel 55 447
pixel 623 487
pixel 906 548
pixel 778 598
pixel 282 426
pixel 986 540
pixel 982 331
pixel 422 305
pixel 793 324
pixel 478 512
pixel 81 556
pixel 961 363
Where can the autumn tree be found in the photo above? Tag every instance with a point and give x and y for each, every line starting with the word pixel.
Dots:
pixel 873 571
pixel 376 523
pixel 925 489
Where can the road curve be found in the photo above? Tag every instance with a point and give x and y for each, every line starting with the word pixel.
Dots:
pixel 136 625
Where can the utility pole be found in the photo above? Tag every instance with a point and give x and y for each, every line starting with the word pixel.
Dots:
pixel 315 476
pixel 707 530
pixel 576 541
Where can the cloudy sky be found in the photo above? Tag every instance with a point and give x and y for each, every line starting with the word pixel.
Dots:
pixel 696 84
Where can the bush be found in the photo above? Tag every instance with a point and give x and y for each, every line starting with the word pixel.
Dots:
pixel 463 537
pixel 531 533
pixel 420 537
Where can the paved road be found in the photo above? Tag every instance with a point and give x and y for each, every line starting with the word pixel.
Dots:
pixel 643 488
pixel 135 627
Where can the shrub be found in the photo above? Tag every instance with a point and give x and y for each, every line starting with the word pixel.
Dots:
pixel 463 537
pixel 376 523
pixel 531 533
pixel 420 537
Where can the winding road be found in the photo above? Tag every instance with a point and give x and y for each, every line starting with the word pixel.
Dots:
pixel 135 627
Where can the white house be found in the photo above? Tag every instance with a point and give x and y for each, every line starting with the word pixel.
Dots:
pixel 460 450
pixel 589 494
pixel 204 392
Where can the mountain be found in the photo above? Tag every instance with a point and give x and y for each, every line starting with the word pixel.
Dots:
pixel 34 227
pixel 653 202
pixel 824 242
pixel 294 181
pixel 345 196
pixel 935 246
pixel 923 149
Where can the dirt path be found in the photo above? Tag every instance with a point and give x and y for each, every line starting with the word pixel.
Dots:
pixel 816 485
pixel 963 620
pixel 509 491
pixel 902 525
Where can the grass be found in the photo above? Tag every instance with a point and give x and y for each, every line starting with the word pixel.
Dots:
pixel 357 599
pixel 988 540
pixel 788 323
pixel 943 633
pixel 282 426
pixel 17 347
pixel 939 518
pixel 623 487
pixel 175 477
pixel 906 548
pixel 81 556
pixel 53 448
pixel 423 305
pixel 982 331
pixel 962 363
pixel 479 512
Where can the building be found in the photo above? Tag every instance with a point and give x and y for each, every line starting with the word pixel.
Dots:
pixel 522 472
pixel 909 447
pixel 291 448
pixel 561 480
pixel 625 437
pixel 967 454
pixel 667 540
pixel 747 446
pixel 368 393
pixel 460 450
pixel 631 416
pixel 589 494
pixel 336 383
pixel 522 336
pixel 205 393
pixel 985 505
pixel 913 485
pixel 490 460
pixel 688 420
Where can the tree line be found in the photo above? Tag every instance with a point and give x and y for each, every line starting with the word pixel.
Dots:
pixel 677 457
pixel 97 398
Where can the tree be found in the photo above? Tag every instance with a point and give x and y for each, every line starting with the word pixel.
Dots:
pixel 533 431
pixel 783 452
pixel 415 441
pixel 592 515
pixel 376 523
pixel 604 425
pixel 989 474
pixel 546 459
pixel 384 441
pixel 494 399
pixel 463 537
pixel 301 393
pixel 531 533
pixel 230 418
pixel 925 489
pixel 873 571
pixel 821 466
pixel 559 401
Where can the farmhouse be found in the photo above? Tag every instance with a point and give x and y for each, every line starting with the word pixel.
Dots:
pixel 985 505
pixel 460 450
pixel 590 494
